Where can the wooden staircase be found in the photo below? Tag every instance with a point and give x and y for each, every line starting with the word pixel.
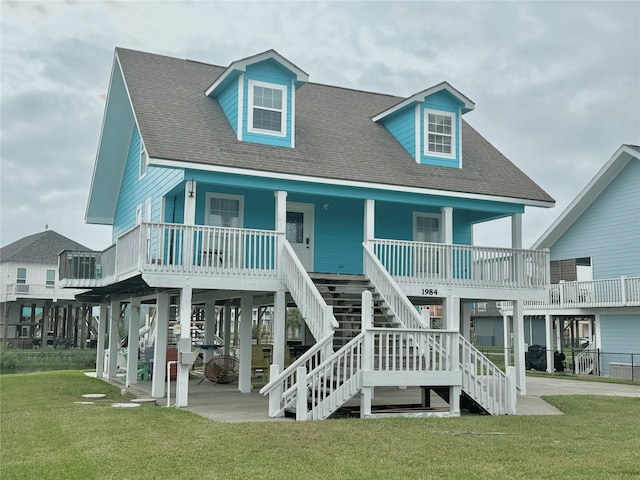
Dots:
pixel 344 294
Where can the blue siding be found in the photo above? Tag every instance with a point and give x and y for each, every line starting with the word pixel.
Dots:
pixel 620 334
pixel 609 230
pixel 402 127
pixel 228 100
pixel 444 102
pixel 134 191
pixel 487 208
pixel 271 72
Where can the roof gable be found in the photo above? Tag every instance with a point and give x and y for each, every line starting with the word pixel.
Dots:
pixel 465 103
pixel 42 247
pixel 589 193
pixel 240 66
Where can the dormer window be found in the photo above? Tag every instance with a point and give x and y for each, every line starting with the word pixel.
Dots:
pixel 268 108
pixel 440 131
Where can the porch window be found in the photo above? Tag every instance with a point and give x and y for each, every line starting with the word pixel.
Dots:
pixel 267 108
pixel 21 275
pixel 51 278
pixel 225 210
pixel 427 228
pixel 440 134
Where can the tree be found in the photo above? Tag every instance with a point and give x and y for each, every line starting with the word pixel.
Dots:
pixel 293 320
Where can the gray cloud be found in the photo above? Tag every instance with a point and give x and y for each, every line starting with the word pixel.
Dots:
pixel 555 83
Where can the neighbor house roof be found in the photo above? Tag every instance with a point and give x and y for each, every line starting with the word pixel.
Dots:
pixel 594 188
pixel 42 247
pixel 336 137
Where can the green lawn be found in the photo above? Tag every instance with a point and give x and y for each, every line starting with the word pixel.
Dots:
pixel 45 435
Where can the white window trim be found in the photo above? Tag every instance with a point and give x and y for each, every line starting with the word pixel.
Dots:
pixel 143 161
pixel 46 279
pixel 428 215
pixel 227 196
pixel 147 209
pixel 139 214
pixel 19 280
pixel 425 132
pixel 283 124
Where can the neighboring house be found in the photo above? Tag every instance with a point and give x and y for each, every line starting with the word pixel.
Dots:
pixel 35 309
pixel 599 231
pixel 250 186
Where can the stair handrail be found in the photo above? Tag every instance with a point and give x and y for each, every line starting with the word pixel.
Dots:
pixel 384 283
pixel 309 359
pixel 315 311
pixel 326 388
pixel 586 361
pixel 492 395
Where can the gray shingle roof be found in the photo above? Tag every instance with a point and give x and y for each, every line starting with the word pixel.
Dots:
pixel 42 247
pixel 335 136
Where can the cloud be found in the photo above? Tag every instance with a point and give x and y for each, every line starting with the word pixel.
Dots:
pixel 555 83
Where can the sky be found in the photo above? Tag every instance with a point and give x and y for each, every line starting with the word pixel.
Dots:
pixel 556 84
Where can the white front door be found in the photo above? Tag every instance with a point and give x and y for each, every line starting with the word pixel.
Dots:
pixel 300 232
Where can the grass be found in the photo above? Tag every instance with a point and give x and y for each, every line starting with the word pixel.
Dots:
pixel 44 434
pixel 583 378
pixel 46 358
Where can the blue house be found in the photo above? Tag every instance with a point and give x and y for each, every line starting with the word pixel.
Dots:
pixel 598 232
pixel 230 188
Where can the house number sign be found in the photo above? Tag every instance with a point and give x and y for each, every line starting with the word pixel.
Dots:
pixel 429 291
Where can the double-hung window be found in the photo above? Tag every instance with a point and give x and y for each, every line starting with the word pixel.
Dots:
pixel 267 108
pixel 21 275
pixel 440 134
pixel 51 278
pixel 223 247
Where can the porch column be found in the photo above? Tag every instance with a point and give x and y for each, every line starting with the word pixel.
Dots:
pixel 132 344
pixel 466 321
pixel 227 326
pixel 281 211
pixel 518 344
pixel 190 203
pixel 102 333
pixel 447 223
pixel 369 220
pixel 182 381
pixel 548 329
pixel 114 338
pixel 279 329
pixel 244 380
pixel 209 328
pixel 160 345
pixel 451 313
pixel 516 230
pixel 506 340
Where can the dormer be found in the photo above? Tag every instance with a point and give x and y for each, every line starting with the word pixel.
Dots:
pixel 428 124
pixel 257 94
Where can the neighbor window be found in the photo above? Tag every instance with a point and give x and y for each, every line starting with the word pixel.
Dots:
pixel 51 278
pixel 143 160
pixel 440 135
pixel 21 276
pixel 267 108
pixel 225 210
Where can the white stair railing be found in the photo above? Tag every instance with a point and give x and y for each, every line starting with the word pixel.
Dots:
pixel 316 313
pixel 284 382
pixel 323 390
pixel 586 362
pixel 483 381
pixel 396 300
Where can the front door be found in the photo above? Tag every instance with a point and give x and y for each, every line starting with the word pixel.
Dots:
pixel 300 232
pixel 426 228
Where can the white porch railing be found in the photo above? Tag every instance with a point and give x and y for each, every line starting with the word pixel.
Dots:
pixel 463 265
pixel 35 290
pixel 617 292
pixel 316 313
pixel 484 382
pixel 175 248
